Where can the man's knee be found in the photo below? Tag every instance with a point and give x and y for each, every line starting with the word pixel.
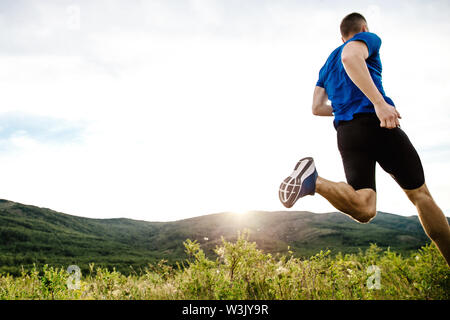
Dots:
pixel 363 213
pixel 422 198
pixel 419 195
pixel 367 215
pixel 367 205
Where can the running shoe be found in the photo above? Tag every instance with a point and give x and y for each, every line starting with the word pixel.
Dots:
pixel 300 183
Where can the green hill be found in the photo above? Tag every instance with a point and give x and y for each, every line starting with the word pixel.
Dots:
pixel 30 234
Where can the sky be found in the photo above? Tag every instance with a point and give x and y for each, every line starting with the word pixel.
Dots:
pixel 162 110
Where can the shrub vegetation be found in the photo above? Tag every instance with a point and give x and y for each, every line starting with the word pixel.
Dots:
pixel 242 271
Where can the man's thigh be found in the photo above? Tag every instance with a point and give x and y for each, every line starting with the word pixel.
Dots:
pixel 359 168
pixel 355 143
pixel 397 156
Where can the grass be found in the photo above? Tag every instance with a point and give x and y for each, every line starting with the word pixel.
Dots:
pixel 242 271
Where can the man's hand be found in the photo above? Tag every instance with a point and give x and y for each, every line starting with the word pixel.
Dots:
pixel 388 115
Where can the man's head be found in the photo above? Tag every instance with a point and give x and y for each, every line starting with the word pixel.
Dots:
pixel 352 24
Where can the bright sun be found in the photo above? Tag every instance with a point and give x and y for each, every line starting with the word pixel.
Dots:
pixel 240 212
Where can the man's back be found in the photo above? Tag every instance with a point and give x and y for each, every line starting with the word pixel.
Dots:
pixel 346 98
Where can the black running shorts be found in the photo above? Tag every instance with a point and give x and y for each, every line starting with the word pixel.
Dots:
pixel 362 143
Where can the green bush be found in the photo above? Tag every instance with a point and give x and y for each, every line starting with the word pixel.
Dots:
pixel 242 271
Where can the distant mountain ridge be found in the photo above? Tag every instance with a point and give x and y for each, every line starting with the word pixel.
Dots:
pixel 29 234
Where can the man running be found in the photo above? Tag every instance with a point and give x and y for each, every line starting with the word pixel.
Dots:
pixel 368 132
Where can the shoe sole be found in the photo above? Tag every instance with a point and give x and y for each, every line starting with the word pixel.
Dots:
pixel 289 191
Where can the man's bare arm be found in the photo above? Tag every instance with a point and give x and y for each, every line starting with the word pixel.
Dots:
pixel 354 57
pixel 320 106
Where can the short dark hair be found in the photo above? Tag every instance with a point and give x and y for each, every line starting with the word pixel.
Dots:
pixel 352 23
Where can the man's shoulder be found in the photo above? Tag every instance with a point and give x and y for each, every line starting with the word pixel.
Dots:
pixel 365 36
pixel 372 41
